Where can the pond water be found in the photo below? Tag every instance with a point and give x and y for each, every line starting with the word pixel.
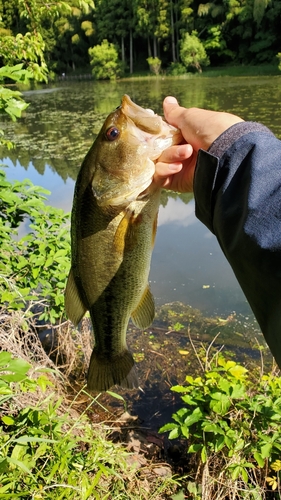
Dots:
pixel 60 125
pixel 188 265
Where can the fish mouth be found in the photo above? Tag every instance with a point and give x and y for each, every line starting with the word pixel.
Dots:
pixel 150 129
pixel 145 135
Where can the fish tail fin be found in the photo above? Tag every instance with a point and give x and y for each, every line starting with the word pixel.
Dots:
pixel 103 373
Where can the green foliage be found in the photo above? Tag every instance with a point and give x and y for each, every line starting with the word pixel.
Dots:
pixel 216 44
pixel 246 31
pixel 230 418
pixel 176 69
pixel 45 451
pixel 27 49
pixel 104 61
pixel 35 266
pixel 192 52
pixel 11 101
pixel 154 65
pixel 48 450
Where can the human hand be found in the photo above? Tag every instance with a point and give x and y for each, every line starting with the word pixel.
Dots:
pixel 199 127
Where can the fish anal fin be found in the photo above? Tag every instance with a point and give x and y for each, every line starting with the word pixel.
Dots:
pixel 143 315
pixel 74 306
pixel 104 373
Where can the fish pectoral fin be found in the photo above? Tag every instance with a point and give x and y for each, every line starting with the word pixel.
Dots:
pixel 74 306
pixel 143 315
pixel 104 373
pixel 121 232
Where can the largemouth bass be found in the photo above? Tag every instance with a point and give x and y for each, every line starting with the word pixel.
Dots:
pixel 113 227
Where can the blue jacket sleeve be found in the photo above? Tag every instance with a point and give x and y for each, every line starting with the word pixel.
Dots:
pixel 237 189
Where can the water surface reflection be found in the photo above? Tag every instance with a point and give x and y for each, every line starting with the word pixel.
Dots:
pixel 60 125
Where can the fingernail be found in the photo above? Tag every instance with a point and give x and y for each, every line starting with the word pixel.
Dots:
pixel 171 100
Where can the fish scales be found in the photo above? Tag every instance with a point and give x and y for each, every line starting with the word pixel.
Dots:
pixel 113 226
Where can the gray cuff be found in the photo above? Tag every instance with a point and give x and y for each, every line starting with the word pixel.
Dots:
pixel 232 134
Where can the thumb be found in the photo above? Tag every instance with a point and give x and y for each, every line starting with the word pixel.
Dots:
pixel 170 103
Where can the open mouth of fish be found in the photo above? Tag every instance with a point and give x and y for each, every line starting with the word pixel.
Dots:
pixel 148 135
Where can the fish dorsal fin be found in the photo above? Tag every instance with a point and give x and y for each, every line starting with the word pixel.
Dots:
pixel 74 306
pixel 143 315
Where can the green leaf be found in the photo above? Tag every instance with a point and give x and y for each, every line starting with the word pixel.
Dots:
pixel 8 420
pixel 194 448
pixel 32 439
pixel 215 428
pixel 219 443
pixel 168 427
pixel 260 461
pixel 174 433
pixel 194 417
pixel 115 395
pixel 204 454
pixel 185 431
pixel 21 465
pixel 266 450
pixel 179 388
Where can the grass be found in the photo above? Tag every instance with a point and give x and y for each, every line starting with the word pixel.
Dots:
pixel 49 447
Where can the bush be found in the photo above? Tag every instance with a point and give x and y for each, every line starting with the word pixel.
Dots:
pixel 231 423
pixel 104 61
pixel 192 52
pixel 154 65
pixel 176 69
pixel 47 451
pixel 36 266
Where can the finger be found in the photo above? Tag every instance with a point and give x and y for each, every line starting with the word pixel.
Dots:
pixel 163 182
pixel 170 105
pixel 165 169
pixel 176 154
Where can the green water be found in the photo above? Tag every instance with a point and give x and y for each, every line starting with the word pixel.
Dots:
pixel 59 127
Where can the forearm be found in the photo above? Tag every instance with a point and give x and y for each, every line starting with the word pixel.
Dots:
pixel 237 190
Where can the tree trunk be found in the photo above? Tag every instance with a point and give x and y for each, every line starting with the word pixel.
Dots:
pixel 177 33
pixel 173 33
pixel 123 49
pixel 131 51
pixel 149 47
pixel 154 46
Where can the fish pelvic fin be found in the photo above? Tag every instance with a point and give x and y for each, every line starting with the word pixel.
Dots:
pixel 103 373
pixel 144 314
pixel 74 306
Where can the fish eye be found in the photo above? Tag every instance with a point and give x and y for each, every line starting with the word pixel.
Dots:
pixel 112 133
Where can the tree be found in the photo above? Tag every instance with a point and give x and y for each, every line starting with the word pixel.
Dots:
pixel 215 45
pixel 153 22
pixel 192 52
pixel 32 28
pixel 26 49
pixel 115 21
pixel 104 61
